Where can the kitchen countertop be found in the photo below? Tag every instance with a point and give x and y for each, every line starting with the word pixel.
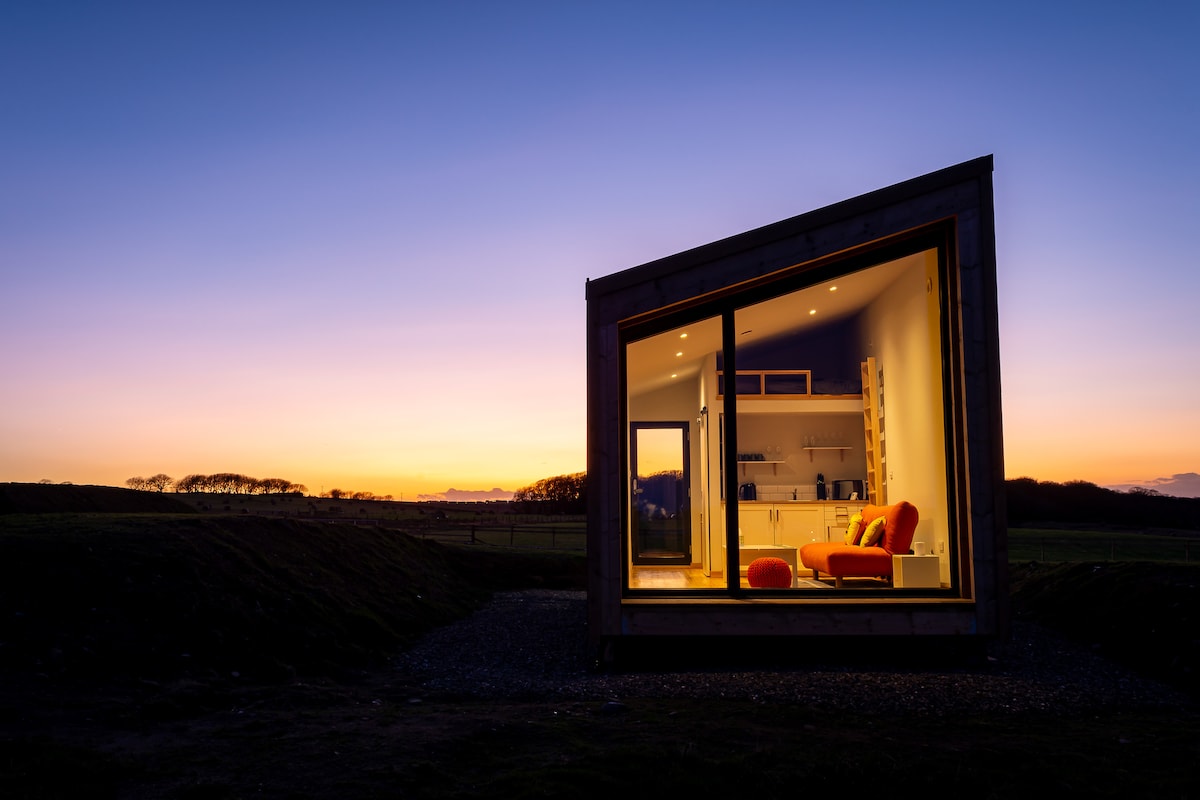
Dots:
pixel 800 502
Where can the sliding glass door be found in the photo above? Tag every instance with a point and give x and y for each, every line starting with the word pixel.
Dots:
pixel 660 516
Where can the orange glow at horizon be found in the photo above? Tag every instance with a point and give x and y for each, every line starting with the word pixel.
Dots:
pixel 351 282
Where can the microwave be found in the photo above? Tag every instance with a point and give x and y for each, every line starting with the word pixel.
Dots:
pixel 848 490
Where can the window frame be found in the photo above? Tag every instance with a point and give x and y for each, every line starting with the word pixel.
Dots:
pixel 940 237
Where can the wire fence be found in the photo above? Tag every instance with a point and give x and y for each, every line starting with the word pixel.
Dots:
pixel 570 537
pixel 1024 544
pixel 1054 545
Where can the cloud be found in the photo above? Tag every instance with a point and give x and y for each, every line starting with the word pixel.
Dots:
pixel 1182 484
pixel 468 495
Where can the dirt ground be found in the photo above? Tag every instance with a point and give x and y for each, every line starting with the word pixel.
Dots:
pixel 381 733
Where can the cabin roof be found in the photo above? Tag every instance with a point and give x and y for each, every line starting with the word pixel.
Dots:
pixel 789 229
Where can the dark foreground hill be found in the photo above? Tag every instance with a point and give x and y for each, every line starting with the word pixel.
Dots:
pixel 170 596
pixel 47 498
pixel 203 656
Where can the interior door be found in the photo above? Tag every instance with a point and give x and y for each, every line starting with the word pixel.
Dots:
pixel 660 517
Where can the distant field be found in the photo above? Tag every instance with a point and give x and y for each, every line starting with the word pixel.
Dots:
pixel 1044 544
pixel 495 524
pixel 463 523
pixel 498 524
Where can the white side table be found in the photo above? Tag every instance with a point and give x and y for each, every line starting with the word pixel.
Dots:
pixel 916 572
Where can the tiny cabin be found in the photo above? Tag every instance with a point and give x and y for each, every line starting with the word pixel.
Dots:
pixel 796 431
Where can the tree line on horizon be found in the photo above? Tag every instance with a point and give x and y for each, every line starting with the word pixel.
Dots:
pixel 217 483
pixel 563 494
pixel 1029 502
pixel 236 483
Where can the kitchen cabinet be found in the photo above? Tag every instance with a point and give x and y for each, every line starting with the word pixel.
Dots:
pixel 798 524
pixel 837 518
pixel 791 524
pixel 756 523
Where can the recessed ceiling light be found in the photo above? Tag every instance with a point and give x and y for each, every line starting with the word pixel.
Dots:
pixel 683 336
pixel 833 288
pixel 812 311
pixel 674 375
pixel 677 355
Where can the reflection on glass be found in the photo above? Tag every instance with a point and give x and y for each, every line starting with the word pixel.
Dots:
pixel 659 495
pixel 785 383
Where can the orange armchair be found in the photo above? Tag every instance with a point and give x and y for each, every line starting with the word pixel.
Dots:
pixel 840 560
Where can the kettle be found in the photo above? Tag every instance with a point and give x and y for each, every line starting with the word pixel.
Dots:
pixel 747 491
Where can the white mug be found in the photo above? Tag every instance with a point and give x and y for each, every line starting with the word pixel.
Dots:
pixel 920 549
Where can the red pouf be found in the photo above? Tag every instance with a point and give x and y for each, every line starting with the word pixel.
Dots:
pixel 769 573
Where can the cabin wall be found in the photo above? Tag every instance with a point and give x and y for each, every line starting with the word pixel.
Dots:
pixel 955 203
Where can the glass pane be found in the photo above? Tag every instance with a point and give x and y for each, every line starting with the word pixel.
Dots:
pixel 805 449
pixel 673 469
pixel 749 384
pixel 660 499
pixel 785 383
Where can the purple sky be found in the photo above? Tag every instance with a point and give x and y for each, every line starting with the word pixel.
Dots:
pixel 346 244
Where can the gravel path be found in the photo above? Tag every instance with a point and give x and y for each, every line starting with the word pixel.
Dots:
pixel 532 645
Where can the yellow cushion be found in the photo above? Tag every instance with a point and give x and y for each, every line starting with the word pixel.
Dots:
pixel 852 530
pixel 873 533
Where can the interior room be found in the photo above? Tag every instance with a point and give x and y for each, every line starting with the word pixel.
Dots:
pixel 839 407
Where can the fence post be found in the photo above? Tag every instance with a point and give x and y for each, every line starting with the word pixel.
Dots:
pixel 511 534
pixel 473 535
pixel 553 539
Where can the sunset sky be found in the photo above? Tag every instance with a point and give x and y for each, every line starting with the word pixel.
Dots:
pixel 346 244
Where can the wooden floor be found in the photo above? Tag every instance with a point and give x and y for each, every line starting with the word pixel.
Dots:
pixel 694 578
pixel 674 578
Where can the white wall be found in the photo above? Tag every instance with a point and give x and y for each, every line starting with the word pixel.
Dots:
pixel 901 332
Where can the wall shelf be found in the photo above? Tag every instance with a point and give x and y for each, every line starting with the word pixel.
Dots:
pixel 774 468
pixel 840 448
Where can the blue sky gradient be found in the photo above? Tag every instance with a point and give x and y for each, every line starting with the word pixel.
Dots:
pixel 346 244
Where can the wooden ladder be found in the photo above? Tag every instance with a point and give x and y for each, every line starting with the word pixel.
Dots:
pixel 873 432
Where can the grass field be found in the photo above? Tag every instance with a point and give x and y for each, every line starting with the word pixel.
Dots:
pixel 1057 545
pixel 232 655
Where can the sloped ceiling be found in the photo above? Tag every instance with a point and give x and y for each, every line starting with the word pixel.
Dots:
pixel 667 358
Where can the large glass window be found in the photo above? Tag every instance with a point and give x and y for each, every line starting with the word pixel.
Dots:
pixel 669 538
pixel 838 405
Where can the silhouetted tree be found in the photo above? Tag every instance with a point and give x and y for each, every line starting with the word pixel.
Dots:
pixel 236 483
pixel 1031 503
pixel 662 494
pixel 560 494
pixel 192 483
pixel 159 482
